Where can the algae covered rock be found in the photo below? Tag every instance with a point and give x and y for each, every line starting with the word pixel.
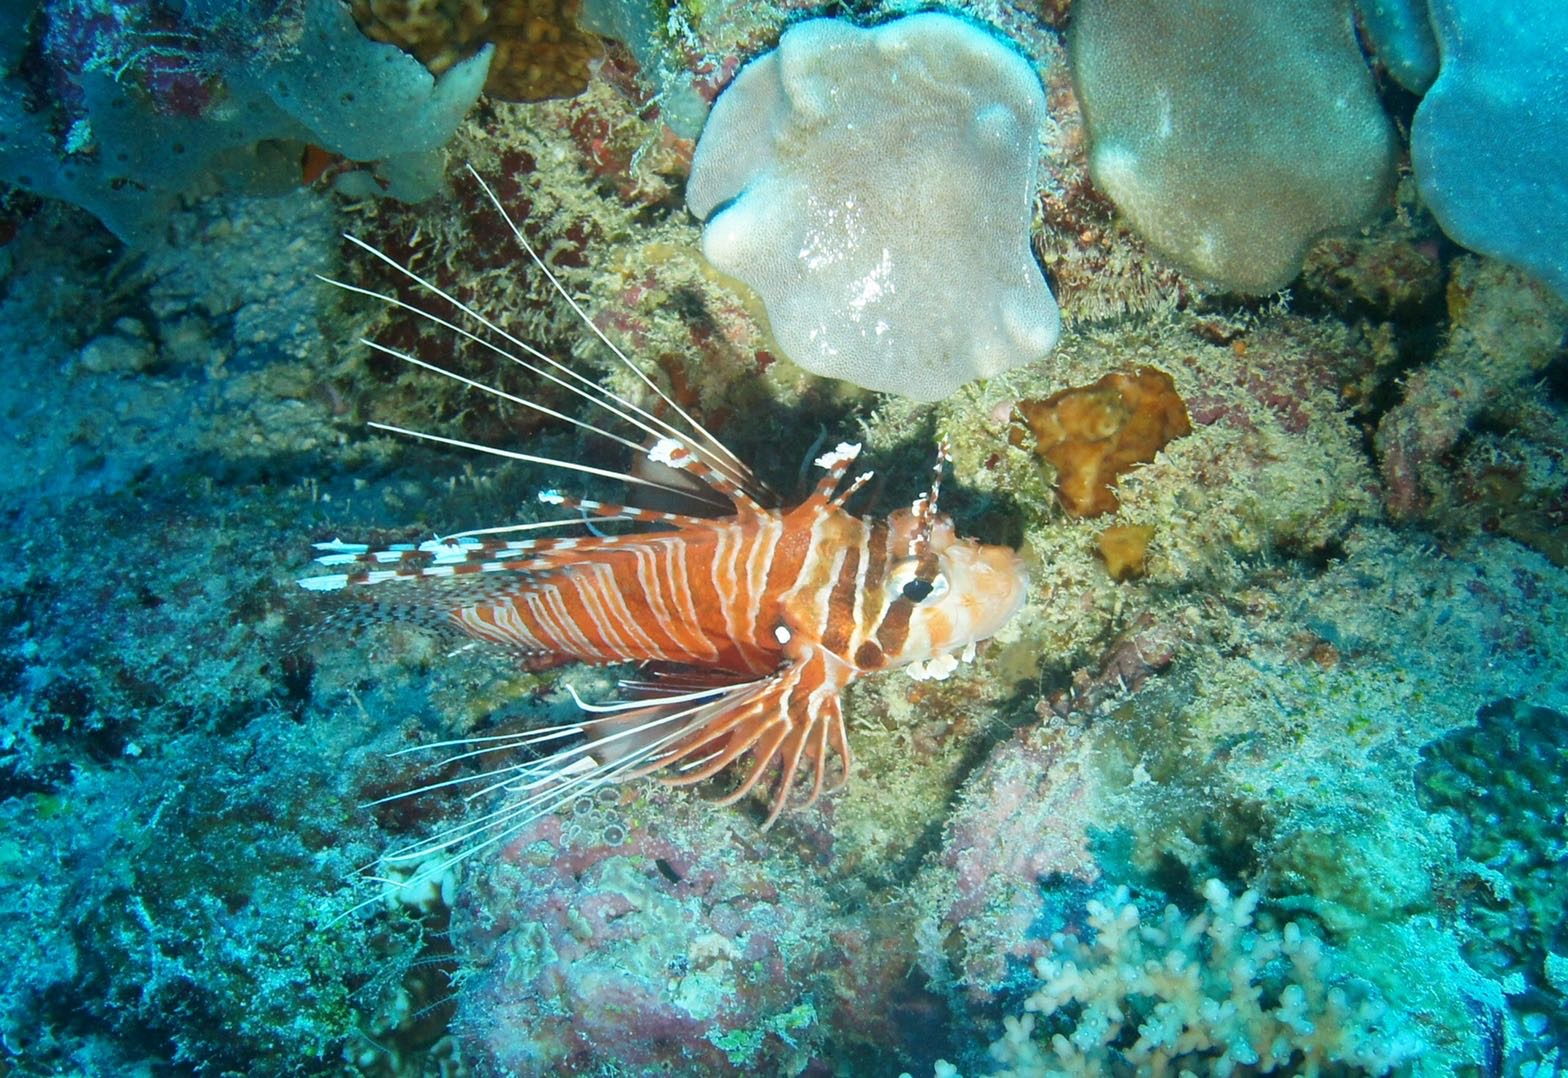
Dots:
pixel 1231 135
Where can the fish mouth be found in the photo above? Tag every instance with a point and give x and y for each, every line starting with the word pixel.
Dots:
pixel 995 584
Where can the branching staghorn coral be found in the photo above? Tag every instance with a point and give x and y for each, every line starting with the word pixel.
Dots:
pixel 1209 994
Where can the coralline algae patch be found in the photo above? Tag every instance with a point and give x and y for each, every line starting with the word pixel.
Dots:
pixel 646 935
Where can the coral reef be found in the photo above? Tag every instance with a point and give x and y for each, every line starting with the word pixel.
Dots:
pixel 638 937
pixel 1504 784
pixel 1276 766
pixel 1231 135
pixel 155 728
pixel 1504 329
pixel 675 68
pixel 1332 676
pixel 1125 549
pixel 1487 162
pixel 1016 850
pixel 230 95
pixel 1205 994
pixel 820 155
pixel 1092 434
pixel 1401 37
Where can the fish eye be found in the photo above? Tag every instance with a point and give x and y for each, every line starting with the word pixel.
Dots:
pixel 903 582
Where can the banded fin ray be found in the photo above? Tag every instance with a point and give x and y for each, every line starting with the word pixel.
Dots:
pixel 467 552
pixel 732 464
pixel 704 445
pixel 642 742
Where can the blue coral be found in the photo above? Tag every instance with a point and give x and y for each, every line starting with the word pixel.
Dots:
pixel 1490 138
pixel 143 112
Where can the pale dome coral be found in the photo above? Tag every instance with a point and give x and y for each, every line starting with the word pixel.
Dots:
pixel 874 187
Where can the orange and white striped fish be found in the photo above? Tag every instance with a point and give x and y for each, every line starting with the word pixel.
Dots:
pixel 749 624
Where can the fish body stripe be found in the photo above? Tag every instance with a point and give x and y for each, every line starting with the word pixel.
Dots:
pixel 650 560
pixel 723 580
pixel 839 610
pixel 831 533
pixel 870 601
pixel 714 594
pixel 839 593
pixel 754 599
pixel 687 627
pixel 698 596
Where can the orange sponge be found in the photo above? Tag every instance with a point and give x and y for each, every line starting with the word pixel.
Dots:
pixel 1092 434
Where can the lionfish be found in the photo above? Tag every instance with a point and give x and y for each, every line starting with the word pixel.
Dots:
pixel 748 625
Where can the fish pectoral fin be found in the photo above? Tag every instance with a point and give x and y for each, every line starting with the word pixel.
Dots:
pixel 793 716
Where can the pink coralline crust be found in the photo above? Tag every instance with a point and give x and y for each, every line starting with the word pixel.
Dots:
pixel 622 320
pixel 636 953
pixel 878 1001
pixel 1023 818
pixel 72 40
pixel 621 71
pixel 1505 328
pixel 710 76
pixel 1437 407
pixel 639 953
pixel 607 145
pixel 1269 372
pixel 178 90
pixel 1220 405
pixel 1391 272
pixel 705 352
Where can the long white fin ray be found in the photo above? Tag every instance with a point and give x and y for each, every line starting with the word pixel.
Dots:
pixel 598 394
pixel 593 394
pixel 732 464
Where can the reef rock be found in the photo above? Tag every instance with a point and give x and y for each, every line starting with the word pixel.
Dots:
pixel 1400 35
pixel 540 52
pixel 127 131
pixel 875 188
